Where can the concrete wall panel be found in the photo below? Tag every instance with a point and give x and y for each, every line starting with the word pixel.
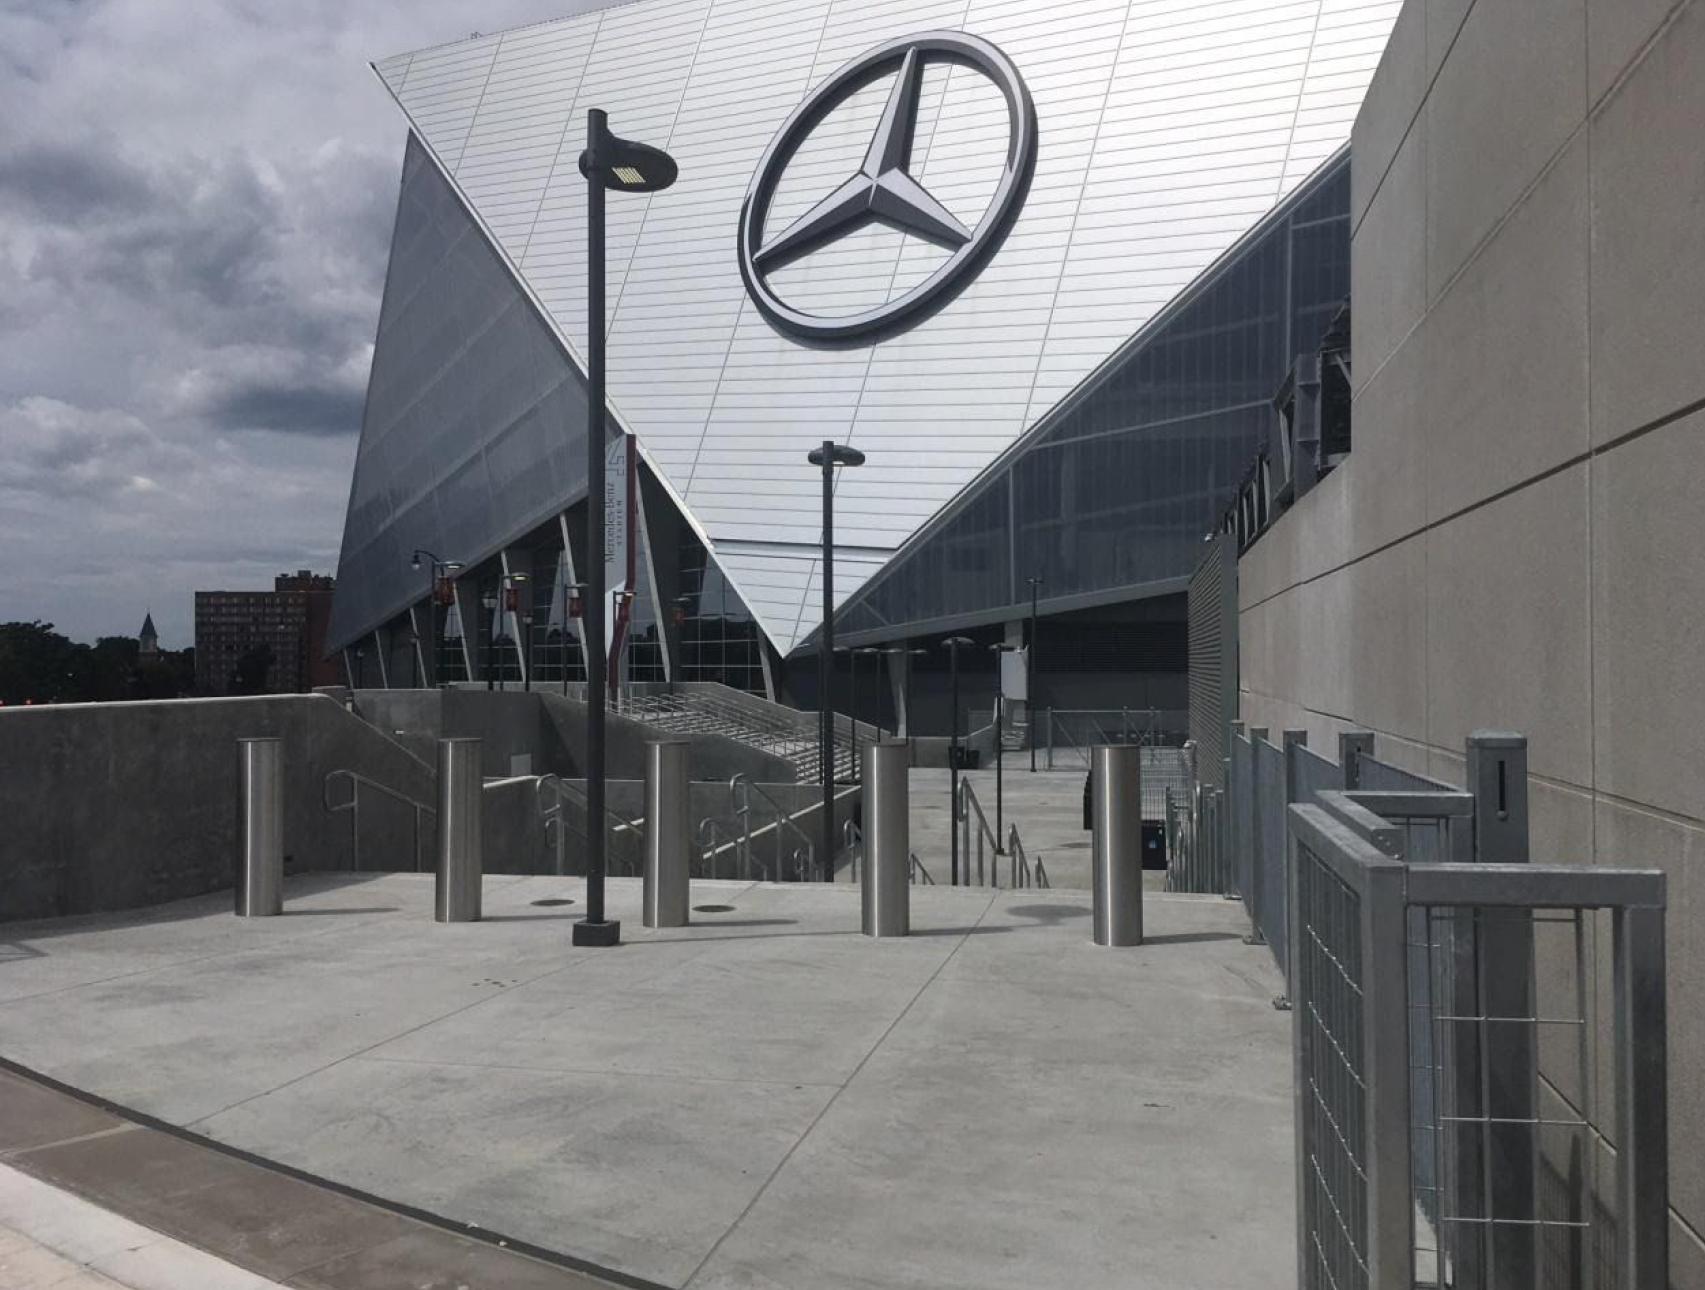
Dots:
pixel 1388 264
pixel 1386 475
pixel 1649 619
pixel 1489 132
pixel 1617 31
pixel 1507 625
pixel 1393 102
pixel 1648 270
pixel 1507 356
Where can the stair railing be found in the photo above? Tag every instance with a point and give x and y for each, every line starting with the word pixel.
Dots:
pixel 970 808
pixel 740 790
pixel 556 819
pixel 357 782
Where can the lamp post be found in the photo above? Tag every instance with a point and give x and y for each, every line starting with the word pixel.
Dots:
pixel 826 459
pixel 1030 673
pixel 572 599
pixel 911 738
pixel 627 167
pixel 852 703
pixel 1000 722
pixel 870 651
pixel 508 602
pixel 953 645
pixel 438 568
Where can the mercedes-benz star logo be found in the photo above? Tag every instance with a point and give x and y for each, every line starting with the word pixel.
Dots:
pixel 883 189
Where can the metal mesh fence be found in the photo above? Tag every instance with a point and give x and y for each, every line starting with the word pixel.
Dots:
pixel 1332 1090
pixel 1459 1075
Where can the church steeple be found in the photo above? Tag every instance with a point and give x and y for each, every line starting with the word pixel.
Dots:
pixel 148 638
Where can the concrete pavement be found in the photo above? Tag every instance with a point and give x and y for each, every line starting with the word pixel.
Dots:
pixel 764 1099
pixel 52 1240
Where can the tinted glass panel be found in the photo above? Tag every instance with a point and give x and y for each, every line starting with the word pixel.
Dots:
pixel 1116 491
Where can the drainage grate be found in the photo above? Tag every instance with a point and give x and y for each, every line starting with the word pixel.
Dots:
pixel 713 909
pixel 553 902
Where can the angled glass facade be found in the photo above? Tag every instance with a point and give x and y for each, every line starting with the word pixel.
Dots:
pixel 1110 496
pixel 475 424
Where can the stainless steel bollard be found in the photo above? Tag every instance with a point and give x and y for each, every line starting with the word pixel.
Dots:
pixel 461 784
pixel 668 833
pixel 885 876
pixel 260 868
pixel 1116 812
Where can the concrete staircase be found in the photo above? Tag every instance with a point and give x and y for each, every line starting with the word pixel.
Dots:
pixel 769 727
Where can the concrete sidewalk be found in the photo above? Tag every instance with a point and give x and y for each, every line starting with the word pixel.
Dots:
pixel 52 1240
pixel 764 1099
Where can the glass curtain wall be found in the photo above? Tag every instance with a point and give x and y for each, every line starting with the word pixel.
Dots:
pixel 1115 490
pixel 554 636
pixel 719 636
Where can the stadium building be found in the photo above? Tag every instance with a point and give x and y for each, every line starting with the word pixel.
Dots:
pixel 1046 266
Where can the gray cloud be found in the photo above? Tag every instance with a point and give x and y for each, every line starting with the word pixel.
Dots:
pixel 195 204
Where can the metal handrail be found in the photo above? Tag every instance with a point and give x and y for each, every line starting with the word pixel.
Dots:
pixel 356 782
pixel 554 814
pixel 918 868
pixel 1021 876
pixel 740 790
pixel 967 804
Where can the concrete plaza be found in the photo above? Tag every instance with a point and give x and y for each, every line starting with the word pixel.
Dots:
pixel 764 1099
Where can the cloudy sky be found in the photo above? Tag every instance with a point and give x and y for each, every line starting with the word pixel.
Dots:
pixel 195 203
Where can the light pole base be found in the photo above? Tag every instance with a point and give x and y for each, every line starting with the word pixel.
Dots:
pixel 586 932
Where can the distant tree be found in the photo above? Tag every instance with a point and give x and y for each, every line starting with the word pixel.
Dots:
pixel 36 662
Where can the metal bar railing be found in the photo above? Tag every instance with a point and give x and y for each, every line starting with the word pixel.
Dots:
pixel 965 809
pixel 740 790
pixel 1402 1082
pixel 629 833
pixel 358 781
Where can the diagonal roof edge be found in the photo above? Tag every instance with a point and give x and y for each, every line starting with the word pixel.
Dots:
pixel 554 328
pixel 1087 385
pixel 571 9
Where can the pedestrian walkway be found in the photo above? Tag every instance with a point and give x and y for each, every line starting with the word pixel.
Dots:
pixel 765 1098
pixel 52 1240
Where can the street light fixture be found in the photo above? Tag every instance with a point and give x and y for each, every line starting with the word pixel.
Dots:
pixel 911 738
pixel 826 458
pixel 438 568
pixel 573 598
pixel 1030 674
pixel 626 167
pixel 868 651
pixel 953 644
pixel 1000 724
pixel 506 584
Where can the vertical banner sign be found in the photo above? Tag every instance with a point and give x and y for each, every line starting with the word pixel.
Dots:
pixel 620 507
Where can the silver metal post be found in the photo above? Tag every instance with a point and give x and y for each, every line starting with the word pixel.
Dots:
pixel 460 862
pixel 260 868
pixel 1642 1100
pixel 1116 811
pixel 885 879
pixel 668 833
pixel 1497 776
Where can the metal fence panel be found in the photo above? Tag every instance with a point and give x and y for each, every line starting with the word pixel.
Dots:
pixel 1407 1100
pixel 1242 824
pixel 1382 776
pixel 1271 897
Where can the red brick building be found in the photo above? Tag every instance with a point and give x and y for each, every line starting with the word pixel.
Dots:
pixel 265 642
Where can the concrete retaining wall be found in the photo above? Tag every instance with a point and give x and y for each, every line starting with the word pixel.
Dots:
pixel 115 805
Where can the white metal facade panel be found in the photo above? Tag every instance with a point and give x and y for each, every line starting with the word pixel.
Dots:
pixel 1167 128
